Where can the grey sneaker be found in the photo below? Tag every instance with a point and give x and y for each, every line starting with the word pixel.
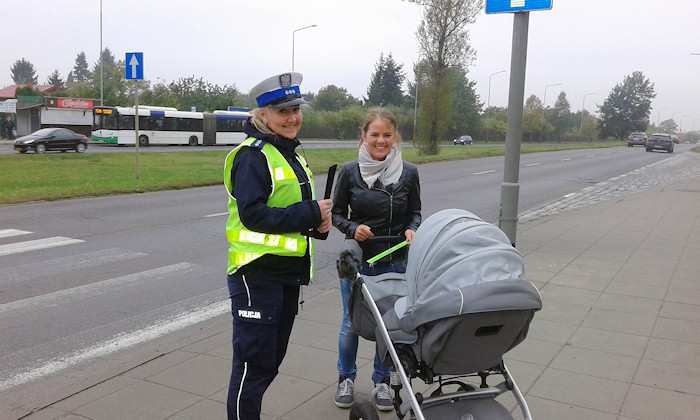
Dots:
pixel 343 396
pixel 381 397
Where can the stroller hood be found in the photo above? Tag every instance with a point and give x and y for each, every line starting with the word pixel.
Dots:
pixel 459 264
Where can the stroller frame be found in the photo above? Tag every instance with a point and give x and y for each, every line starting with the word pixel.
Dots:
pixel 416 401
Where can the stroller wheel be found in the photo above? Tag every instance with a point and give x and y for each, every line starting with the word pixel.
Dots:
pixel 363 410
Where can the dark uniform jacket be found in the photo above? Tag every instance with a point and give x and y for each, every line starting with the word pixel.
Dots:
pixel 387 210
pixel 252 186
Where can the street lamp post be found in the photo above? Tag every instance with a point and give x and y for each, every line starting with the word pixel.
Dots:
pixel 680 127
pixel 658 117
pixel 415 110
pixel 488 104
pixel 294 33
pixel 544 104
pixel 102 100
pixel 673 117
pixel 583 109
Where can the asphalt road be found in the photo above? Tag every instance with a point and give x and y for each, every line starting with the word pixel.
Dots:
pixel 85 282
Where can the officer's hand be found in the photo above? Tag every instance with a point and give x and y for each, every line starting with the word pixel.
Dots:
pixel 325 226
pixel 326 220
pixel 409 235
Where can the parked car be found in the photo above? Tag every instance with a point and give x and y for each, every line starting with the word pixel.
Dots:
pixel 466 140
pixel 660 142
pixel 636 139
pixel 45 139
pixel 675 139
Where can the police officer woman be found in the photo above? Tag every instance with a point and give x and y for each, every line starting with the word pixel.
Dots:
pixel 273 218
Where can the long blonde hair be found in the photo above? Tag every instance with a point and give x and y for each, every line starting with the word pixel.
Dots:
pixel 385 115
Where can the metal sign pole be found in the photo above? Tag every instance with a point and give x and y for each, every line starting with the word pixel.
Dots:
pixel 134 71
pixel 510 188
pixel 136 124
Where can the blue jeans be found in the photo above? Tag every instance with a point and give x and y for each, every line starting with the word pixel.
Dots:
pixel 347 339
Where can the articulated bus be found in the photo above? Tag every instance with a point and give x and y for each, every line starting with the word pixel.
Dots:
pixel 167 126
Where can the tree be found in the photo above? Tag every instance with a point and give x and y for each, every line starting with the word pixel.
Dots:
pixel 23 72
pixel 532 117
pixel 385 87
pixel 116 90
pixel 443 42
pixel 668 126
pixel 589 129
pixel 333 98
pixel 192 91
pixel 108 64
pixel 55 79
pixel 466 108
pixel 561 118
pixel 626 109
pixel 80 70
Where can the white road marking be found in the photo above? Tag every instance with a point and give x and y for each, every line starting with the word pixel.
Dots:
pixel 26 246
pixel 119 342
pixel 217 214
pixel 533 164
pixel 566 159
pixel 484 172
pixel 7 233
pixel 47 268
pixel 67 296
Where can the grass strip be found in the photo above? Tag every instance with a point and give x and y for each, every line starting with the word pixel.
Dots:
pixel 56 176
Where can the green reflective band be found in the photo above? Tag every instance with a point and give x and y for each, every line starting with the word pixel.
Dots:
pixel 387 252
pixel 284 173
pixel 276 241
pixel 243 258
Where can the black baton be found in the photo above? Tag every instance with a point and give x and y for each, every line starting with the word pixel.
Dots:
pixel 329 182
pixel 329 189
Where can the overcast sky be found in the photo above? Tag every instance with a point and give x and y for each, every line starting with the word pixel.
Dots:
pixel 588 46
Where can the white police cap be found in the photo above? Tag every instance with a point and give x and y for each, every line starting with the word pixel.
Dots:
pixel 279 91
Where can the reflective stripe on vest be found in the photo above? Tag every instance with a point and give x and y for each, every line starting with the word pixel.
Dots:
pixel 267 239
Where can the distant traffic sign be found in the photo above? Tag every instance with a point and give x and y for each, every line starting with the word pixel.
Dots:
pixel 134 66
pixel 504 6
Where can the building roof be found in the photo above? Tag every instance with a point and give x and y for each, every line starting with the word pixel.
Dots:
pixel 9 91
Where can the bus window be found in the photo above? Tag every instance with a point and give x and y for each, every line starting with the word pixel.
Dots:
pixel 126 122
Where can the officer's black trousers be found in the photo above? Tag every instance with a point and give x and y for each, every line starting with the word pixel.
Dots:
pixel 263 315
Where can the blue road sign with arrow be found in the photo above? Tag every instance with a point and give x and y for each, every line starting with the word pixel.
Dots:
pixel 134 66
pixel 504 6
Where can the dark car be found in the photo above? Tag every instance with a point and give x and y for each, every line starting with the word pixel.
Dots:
pixel 45 139
pixel 467 140
pixel 660 142
pixel 636 139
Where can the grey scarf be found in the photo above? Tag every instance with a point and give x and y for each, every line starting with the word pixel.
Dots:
pixel 388 171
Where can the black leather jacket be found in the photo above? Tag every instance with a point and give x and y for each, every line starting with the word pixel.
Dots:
pixel 388 211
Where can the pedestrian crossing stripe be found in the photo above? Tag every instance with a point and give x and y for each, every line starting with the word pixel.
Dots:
pixel 37 244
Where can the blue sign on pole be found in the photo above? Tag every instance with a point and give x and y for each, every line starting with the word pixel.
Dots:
pixel 134 66
pixel 505 6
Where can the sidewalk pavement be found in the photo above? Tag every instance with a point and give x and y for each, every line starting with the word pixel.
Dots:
pixel 618 337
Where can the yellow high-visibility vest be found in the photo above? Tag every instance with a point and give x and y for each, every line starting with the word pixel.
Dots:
pixel 246 245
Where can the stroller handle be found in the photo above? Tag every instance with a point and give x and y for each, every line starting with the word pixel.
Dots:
pixel 397 241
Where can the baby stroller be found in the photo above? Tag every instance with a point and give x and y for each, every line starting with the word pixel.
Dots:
pixel 465 304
